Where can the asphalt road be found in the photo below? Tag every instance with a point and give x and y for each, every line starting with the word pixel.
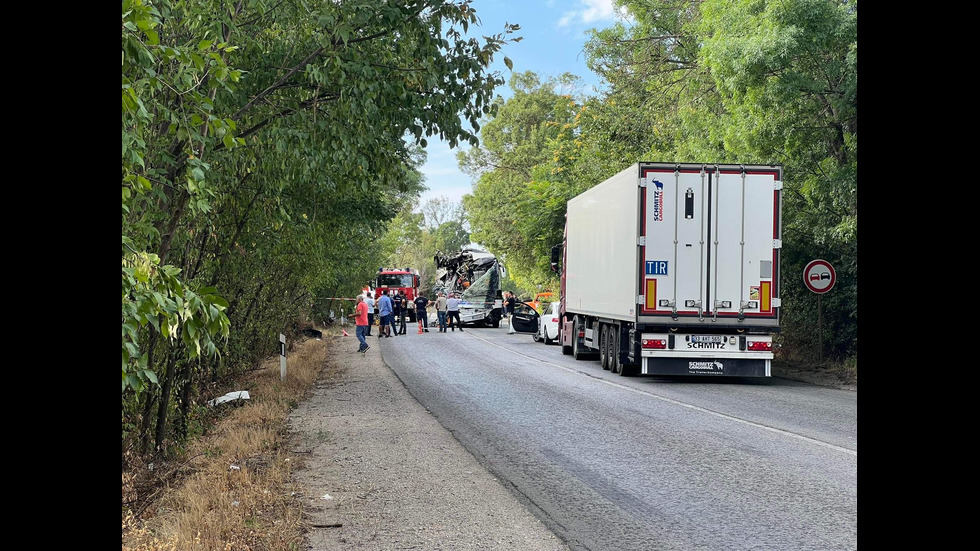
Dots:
pixel 635 463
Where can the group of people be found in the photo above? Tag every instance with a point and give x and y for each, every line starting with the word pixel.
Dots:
pixel 447 312
pixel 392 310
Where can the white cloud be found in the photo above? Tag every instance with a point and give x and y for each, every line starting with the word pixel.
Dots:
pixel 591 11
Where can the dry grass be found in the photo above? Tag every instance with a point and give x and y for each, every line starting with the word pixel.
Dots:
pixel 232 490
pixel 802 363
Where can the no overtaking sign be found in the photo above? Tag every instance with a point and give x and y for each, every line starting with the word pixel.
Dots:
pixel 819 276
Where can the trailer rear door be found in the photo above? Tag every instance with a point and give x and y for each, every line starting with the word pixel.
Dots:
pixel 710 240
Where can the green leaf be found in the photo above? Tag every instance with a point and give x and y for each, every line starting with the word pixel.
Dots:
pixel 133 381
pixel 151 376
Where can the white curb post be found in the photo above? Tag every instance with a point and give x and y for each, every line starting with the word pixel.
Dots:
pixel 282 357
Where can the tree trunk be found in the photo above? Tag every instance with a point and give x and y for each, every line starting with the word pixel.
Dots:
pixel 187 381
pixel 145 421
pixel 165 390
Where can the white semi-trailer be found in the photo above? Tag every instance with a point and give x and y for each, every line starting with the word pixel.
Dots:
pixel 673 269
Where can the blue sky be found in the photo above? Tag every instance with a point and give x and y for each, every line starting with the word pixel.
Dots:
pixel 554 34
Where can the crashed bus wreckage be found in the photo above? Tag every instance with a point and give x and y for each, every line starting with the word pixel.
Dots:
pixel 473 275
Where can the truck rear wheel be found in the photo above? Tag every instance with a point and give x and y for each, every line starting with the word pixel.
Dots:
pixel 604 347
pixel 578 351
pixel 624 369
pixel 614 364
pixel 611 346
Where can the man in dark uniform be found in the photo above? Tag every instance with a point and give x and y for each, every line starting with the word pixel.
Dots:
pixel 401 310
pixel 510 311
pixel 421 303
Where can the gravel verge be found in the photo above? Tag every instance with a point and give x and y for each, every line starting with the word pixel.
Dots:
pixel 379 472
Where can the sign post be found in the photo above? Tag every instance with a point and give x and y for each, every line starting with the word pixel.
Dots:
pixel 282 357
pixel 819 276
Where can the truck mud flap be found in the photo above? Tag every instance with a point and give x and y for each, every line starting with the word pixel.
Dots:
pixel 719 367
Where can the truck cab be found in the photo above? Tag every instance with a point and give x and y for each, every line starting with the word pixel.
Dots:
pixel 405 281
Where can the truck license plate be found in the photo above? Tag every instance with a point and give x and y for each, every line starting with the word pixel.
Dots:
pixel 707 338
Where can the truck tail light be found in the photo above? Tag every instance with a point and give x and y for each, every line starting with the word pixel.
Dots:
pixel 760 345
pixel 656 344
pixel 554 320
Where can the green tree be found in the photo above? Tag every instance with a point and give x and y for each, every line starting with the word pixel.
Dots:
pixel 749 81
pixel 447 221
pixel 786 73
pixel 739 81
pixel 264 149
pixel 418 233
pixel 513 212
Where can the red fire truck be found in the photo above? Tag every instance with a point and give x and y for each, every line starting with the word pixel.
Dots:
pixel 405 281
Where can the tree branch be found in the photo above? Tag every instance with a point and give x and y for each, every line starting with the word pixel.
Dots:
pixel 308 59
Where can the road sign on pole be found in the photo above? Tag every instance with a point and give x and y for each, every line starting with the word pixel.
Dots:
pixel 819 276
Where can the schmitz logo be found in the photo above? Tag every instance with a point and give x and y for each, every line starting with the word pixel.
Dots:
pixel 658 201
pixel 705 366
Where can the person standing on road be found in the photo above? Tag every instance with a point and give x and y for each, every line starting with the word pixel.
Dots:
pixel 421 303
pixel 384 310
pixel 441 309
pixel 452 312
pixel 410 313
pixel 396 311
pixel 402 313
pixel 361 322
pixel 510 312
pixel 370 304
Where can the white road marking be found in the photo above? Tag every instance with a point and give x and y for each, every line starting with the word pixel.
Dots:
pixel 676 402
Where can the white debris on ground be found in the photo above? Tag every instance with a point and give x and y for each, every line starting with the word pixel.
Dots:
pixel 231 396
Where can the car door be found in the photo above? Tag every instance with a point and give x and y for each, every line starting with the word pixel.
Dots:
pixel 525 318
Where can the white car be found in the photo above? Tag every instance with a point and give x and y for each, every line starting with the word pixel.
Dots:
pixel 548 324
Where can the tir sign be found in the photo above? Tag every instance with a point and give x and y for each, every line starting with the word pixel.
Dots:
pixel 656 267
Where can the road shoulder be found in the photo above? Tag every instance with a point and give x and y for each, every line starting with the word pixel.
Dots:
pixel 378 471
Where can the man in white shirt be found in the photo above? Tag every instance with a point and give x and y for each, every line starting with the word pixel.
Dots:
pixel 441 311
pixel 452 312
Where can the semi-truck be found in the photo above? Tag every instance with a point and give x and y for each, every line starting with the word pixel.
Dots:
pixel 673 269
pixel 403 280
pixel 474 276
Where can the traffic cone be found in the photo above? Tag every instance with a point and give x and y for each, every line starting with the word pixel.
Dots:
pixel 420 326
pixel 345 332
